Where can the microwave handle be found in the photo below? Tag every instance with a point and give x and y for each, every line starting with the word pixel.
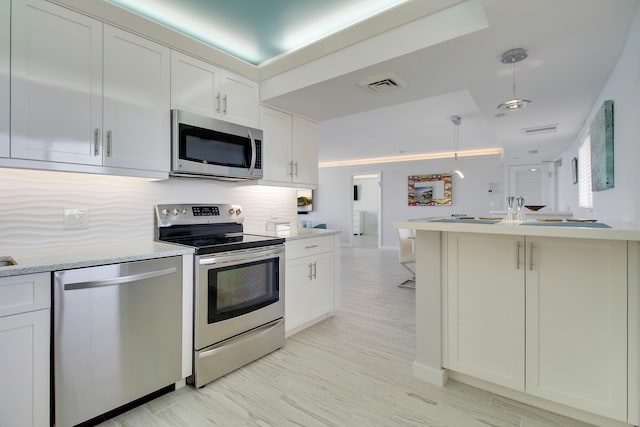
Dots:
pixel 253 154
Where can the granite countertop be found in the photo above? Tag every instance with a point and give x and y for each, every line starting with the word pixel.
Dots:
pixel 64 258
pixel 301 233
pixel 610 230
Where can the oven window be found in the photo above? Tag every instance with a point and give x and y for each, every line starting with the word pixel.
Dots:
pixel 240 289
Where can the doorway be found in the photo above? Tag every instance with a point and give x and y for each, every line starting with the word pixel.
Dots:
pixel 366 210
pixel 536 183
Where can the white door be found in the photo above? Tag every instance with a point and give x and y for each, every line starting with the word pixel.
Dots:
pixel 536 183
pixel 194 85
pixel 24 369
pixel 297 303
pixel 240 100
pixel 577 323
pixel 5 37
pixel 56 84
pixel 136 102
pixel 485 307
pixel 321 286
pixel 305 151
pixel 276 151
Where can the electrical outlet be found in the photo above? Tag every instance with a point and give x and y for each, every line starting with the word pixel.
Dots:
pixel 75 219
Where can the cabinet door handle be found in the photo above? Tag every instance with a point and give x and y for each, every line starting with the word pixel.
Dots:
pixel 531 257
pixel 518 255
pixel 218 102
pixel 96 142
pixel 310 271
pixel 296 164
pixel 225 103
pixel 315 270
pixel 109 143
pixel 291 169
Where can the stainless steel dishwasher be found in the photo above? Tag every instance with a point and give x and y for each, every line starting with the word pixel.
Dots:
pixel 116 336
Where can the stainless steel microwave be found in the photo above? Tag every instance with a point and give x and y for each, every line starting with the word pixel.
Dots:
pixel 209 148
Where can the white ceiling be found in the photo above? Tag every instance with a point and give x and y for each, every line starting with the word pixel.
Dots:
pixel 451 64
pixel 573 46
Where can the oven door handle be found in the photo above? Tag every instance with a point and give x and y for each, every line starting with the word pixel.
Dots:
pixel 240 258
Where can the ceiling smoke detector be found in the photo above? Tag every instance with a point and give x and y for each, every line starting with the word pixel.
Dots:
pixel 383 83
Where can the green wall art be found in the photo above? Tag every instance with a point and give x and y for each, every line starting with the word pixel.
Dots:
pixel 601 134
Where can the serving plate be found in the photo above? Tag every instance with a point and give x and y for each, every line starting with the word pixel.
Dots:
pixel 549 219
pixel 581 220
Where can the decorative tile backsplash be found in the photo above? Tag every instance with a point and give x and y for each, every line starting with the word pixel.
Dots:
pixel 120 209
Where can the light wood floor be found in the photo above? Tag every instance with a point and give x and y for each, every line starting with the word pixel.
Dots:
pixel 353 369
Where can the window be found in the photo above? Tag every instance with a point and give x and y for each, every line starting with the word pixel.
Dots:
pixel 585 196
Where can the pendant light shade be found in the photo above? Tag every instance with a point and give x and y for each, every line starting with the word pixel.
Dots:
pixel 457 121
pixel 511 57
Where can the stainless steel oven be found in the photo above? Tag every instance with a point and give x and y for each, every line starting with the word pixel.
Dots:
pixel 239 286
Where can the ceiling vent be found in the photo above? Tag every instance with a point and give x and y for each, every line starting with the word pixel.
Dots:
pixel 540 129
pixel 383 83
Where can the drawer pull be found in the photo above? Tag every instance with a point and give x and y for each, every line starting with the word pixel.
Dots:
pixel 311 247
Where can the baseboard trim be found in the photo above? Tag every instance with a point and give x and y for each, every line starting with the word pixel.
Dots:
pixel 436 376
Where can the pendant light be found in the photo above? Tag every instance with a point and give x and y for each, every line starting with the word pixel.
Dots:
pixel 511 57
pixel 456 120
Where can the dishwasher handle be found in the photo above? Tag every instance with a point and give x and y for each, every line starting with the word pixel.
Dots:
pixel 119 280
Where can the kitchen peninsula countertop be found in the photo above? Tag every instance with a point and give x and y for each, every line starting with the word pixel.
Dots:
pixel 64 258
pixel 584 230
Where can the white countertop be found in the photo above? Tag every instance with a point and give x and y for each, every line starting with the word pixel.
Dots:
pixel 64 258
pixel 618 231
pixel 301 233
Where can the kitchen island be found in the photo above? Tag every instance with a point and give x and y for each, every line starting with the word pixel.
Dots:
pixel 541 312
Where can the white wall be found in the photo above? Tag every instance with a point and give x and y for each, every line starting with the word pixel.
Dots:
pixel 367 203
pixel 470 195
pixel 120 208
pixel 623 87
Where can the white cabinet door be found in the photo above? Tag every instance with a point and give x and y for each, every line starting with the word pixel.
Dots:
pixel 136 102
pixel 298 274
pixel 194 85
pixel 240 100
pixel 485 307
pixel 5 37
pixel 305 151
pixel 577 323
pixel 276 153
pixel 56 84
pixel 24 369
pixel 321 290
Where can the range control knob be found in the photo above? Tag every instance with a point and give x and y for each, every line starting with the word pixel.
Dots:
pixel 238 211
pixel 175 212
pixel 232 211
pixel 184 211
pixel 164 212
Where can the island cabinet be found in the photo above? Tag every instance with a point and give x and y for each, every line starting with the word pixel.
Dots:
pixel 25 314
pixel 542 315
pixel 202 88
pixel 5 37
pixel 310 283
pixel 86 93
pixel 290 155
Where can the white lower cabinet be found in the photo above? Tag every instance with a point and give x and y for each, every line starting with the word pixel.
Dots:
pixel 310 285
pixel 25 342
pixel 547 316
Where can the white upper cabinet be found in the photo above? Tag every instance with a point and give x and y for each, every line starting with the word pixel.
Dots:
pixel 305 151
pixel 5 37
pixel 290 154
pixel 56 102
pixel 86 93
pixel 136 102
pixel 202 88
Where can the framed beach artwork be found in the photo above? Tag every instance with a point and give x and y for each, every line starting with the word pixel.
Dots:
pixel 601 135
pixel 429 190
